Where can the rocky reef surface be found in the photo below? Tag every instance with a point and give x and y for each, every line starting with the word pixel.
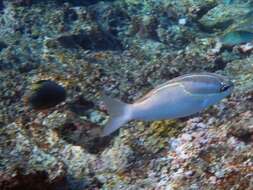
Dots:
pixel 124 48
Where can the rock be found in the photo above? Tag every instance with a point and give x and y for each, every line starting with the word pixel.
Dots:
pixel 27 67
pixel 96 117
pixel 22 2
pixel 3 45
pixel 86 135
pixel 94 40
pixel 25 166
pixel 242 129
pixel 76 46
pixel 240 33
pixel 37 180
pixel 246 48
pixel 222 16
pixel 80 105
pixel 148 27
pixel 111 17
pixel 242 75
pixel 237 37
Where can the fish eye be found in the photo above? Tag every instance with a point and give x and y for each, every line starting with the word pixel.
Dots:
pixel 224 88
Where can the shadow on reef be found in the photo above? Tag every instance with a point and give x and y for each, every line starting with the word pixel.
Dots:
pixel 82 184
pixel 86 135
pixel 97 40
pixel 1 5
pixel 40 180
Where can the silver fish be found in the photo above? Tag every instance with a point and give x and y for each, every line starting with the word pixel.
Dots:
pixel 179 97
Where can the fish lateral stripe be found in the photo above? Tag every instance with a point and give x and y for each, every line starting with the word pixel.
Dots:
pixel 154 91
pixel 175 82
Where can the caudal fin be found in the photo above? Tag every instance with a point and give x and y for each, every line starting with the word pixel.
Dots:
pixel 119 114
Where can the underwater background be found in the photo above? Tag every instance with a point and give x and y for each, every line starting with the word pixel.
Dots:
pixel 57 56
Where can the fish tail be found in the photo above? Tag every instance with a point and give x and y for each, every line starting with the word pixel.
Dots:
pixel 120 113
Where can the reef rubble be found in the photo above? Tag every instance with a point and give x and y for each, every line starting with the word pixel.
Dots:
pixel 124 48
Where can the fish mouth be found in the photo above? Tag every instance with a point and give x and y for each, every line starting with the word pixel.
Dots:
pixel 226 86
pixel 230 86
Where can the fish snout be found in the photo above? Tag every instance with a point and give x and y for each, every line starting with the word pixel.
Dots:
pixel 227 87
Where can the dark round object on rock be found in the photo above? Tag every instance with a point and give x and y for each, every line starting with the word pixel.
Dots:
pixel 46 94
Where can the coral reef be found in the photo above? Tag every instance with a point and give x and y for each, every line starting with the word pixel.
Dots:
pixel 123 48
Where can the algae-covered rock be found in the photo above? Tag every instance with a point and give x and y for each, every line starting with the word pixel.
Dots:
pixel 237 37
pixel 242 128
pixel 22 161
pixel 76 43
pixel 33 180
pixel 239 33
pixel 222 16
pixel 241 70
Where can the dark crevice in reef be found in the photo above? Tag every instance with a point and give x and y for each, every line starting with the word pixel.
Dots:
pixel 3 45
pixel 99 40
pixel 204 9
pixel 247 138
pixel 85 135
pixel 219 64
pixel 1 6
pixel 38 180
pixel 242 133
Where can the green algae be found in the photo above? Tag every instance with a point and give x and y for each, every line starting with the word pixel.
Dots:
pixel 223 16
pixel 239 33
pixel 237 37
pixel 228 2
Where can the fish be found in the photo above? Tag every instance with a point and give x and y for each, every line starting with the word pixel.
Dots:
pixel 177 98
